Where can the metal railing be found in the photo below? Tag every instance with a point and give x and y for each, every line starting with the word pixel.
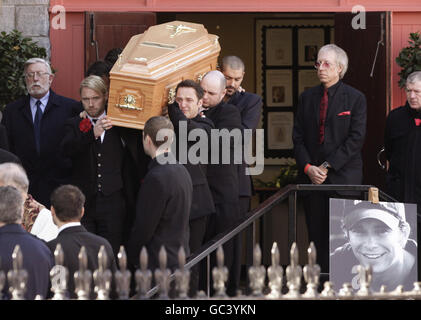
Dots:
pixel 289 192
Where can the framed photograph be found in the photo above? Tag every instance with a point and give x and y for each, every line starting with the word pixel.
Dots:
pixel 310 40
pixel 278 46
pixel 279 88
pixel 380 235
pixel 307 79
pixel 279 133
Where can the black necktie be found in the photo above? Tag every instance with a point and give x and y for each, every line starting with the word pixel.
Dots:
pixel 37 125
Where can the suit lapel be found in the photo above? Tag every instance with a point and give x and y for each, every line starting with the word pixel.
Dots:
pixel 50 103
pixel 26 110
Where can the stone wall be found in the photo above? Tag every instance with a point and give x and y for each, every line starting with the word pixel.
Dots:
pixel 29 17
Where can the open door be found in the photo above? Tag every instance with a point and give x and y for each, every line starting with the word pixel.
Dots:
pixel 368 52
pixel 107 30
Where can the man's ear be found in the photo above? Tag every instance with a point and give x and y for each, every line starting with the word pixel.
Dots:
pixel 82 212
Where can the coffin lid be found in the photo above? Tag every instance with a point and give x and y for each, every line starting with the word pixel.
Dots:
pixel 164 49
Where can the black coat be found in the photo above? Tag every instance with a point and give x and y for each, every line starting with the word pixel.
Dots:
pixel 86 153
pixel 345 129
pixel 162 214
pixel 72 239
pixel 37 259
pixel 49 169
pixel 402 141
pixel 202 204
pixel 250 107
pixel 223 178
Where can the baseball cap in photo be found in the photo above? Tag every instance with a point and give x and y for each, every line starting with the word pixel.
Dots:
pixel 390 213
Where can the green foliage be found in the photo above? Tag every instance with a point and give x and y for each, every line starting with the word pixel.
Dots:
pixel 14 51
pixel 287 175
pixel 409 59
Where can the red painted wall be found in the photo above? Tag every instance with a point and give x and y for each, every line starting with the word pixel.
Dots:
pixel 67 55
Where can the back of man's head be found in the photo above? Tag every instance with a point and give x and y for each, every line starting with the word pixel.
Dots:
pixel 67 201
pixel 154 125
pixel 11 205
pixel 232 62
pixel 12 174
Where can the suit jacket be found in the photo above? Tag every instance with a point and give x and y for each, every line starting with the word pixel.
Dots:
pixel 49 169
pixel 223 178
pixel 37 259
pixel 402 142
pixel 71 240
pixel 162 214
pixel 94 163
pixel 345 128
pixel 202 204
pixel 250 107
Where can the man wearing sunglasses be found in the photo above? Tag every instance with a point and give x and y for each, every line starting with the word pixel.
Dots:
pixel 34 125
pixel 328 136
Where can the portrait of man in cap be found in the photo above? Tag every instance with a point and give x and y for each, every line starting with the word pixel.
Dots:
pixel 381 235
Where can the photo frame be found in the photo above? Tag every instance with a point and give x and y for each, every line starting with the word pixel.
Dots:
pixel 278 47
pixel 279 130
pixel 382 235
pixel 279 88
pixel 310 40
pixel 307 79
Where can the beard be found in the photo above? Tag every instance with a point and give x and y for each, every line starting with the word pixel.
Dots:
pixel 37 89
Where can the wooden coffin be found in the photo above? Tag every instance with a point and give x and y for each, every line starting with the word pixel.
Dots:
pixel 143 79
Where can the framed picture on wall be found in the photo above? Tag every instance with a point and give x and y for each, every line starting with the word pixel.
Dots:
pixel 278 47
pixel 307 79
pixel 310 40
pixel 279 133
pixel 279 87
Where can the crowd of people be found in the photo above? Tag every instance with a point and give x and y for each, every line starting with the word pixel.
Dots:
pixel 70 177
pixel 80 181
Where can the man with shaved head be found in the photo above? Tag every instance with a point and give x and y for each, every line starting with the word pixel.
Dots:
pixel 222 177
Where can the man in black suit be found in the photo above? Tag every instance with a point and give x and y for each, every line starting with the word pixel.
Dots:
pixel 67 210
pixel 184 115
pixel 35 128
pixel 37 258
pixel 223 175
pixel 401 141
pixel 328 135
pixel 97 152
pixel 250 107
pixel 163 202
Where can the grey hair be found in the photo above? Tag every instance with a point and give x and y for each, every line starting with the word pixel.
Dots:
pixel 13 174
pixel 36 60
pixel 341 57
pixel 233 62
pixel 414 77
pixel 11 205
pixel 219 76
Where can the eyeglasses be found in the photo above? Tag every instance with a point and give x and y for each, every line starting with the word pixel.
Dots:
pixel 324 64
pixel 409 91
pixel 31 75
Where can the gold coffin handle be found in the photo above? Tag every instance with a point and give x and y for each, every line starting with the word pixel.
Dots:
pixel 130 103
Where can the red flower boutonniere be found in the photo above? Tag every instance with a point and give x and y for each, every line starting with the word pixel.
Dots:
pixel 85 125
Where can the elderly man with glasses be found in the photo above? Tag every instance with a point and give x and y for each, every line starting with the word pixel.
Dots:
pixel 35 128
pixel 328 136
